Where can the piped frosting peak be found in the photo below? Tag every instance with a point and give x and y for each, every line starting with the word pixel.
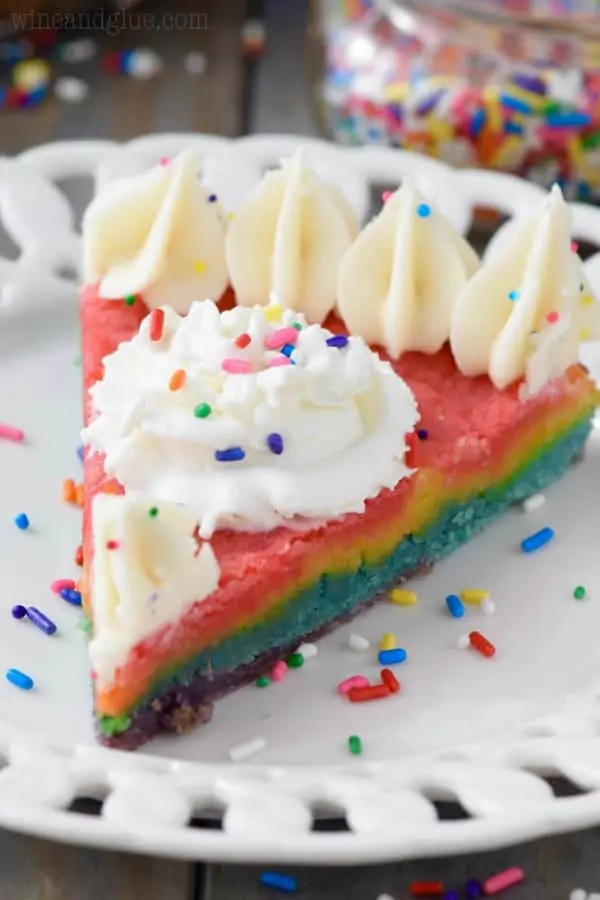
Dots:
pixel 159 235
pixel 526 311
pixel 287 241
pixel 399 282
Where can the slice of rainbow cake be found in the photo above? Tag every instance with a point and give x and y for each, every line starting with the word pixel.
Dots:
pixel 346 410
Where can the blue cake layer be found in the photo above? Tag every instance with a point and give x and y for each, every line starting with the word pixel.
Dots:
pixel 242 657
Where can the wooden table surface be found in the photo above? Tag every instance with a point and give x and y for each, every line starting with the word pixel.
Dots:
pixel 232 98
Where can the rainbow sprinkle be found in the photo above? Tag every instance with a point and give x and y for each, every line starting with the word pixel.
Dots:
pixel 402 597
pixel 203 410
pixel 10 433
pixel 237 366
pixel 275 443
pixel 231 454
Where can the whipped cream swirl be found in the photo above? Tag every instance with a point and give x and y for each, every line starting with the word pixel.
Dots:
pixel 252 418
pixel 287 241
pixel 147 570
pixel 159 234
pixel 398 283
pixel 528 309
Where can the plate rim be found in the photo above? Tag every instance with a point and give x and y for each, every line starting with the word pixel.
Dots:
pixel 374 795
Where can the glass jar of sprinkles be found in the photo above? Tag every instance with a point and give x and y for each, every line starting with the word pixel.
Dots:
pixel 505 84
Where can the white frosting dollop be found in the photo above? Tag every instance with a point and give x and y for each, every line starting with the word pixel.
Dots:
pixel 158 235
pixel 398 283
pixel 526 311
pixel 147 570
pixel 287 241
pixel 310 440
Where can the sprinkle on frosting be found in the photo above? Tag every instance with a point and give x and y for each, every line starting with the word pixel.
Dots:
pixel 267 443
pixel 275 443
pixel 242 340
pixel 273 313
pixel 338 340
pixel 276 340
pixel 237 366
pixel 177 380
pixel 157 320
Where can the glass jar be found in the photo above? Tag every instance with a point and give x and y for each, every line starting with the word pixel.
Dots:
pixel 505 84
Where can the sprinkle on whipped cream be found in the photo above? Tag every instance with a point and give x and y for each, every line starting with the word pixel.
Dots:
pixel 292 425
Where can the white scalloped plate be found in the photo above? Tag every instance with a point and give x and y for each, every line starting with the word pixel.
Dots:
pixel 463 727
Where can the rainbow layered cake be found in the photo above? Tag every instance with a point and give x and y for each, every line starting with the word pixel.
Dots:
pixel 286 417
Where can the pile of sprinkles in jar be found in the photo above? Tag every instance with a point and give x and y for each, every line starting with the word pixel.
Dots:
pixel 473 92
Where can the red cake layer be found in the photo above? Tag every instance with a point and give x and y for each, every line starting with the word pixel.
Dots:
pixel 471 426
